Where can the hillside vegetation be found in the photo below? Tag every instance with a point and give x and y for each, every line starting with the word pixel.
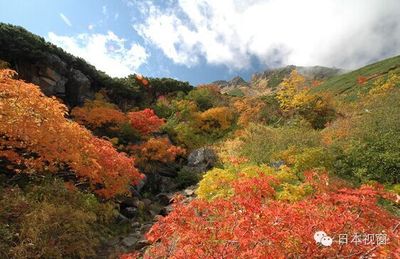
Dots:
pixel 77 179
pixel 360 81
pixel 31 56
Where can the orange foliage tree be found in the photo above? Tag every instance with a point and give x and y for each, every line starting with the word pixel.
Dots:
pixel 35 137
pixel 252 224
pixel 157 150
pixel 145 121
pixel 99 113
pixel 249 110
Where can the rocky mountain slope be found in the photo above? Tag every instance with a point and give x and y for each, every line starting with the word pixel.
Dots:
pixel 267 81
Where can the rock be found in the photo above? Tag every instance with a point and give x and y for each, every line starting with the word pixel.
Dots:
pixel 164 198
pixel 141 184
pixel 147 202
pixel 48 81
pixel 142 243
pixel 129 241
pixel 129 202
pixel 145 227
pixel 157 218
pixel 56 63
pixel 168 170
pixel 188 192
pixel 78 87
pixel 235 82
pixel 167 184
pixel 121 218
pixel 47 85
pixel 277 164
pixel 155 209
pixel 137 234
pixel 129 212
pixel 135 224
pixel 59 88
pixel 50 73
pixel 166 210
pixel 202 159
pixel 113 242
pixel 157 183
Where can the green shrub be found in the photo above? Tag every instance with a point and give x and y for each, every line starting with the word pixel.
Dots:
pixel 187 178
pixel 261 142
pixel 206 97
pixel 313 158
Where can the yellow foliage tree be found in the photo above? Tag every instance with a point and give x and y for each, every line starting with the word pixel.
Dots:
pixel 215 119
pixel 289 88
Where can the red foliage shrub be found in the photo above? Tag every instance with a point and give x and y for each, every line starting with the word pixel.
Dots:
pixel 145 121
pixel 251 224
pixel 361 80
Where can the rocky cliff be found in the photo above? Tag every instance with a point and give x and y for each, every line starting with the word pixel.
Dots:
pixel 57 73
pixel 56 78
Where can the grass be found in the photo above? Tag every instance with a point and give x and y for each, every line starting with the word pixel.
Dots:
pixel 346 85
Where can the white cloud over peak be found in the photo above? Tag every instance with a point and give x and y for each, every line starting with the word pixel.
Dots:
pixel 342 33
pixel 65 19
pixel 107 52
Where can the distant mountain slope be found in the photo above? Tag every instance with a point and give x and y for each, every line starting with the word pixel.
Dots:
pixel 349 85
pixel 267 81
pixel 235 87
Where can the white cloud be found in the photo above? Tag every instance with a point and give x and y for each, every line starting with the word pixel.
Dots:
pixel 107 52
pixel 340 33
pixel 65 19
pixel 90 26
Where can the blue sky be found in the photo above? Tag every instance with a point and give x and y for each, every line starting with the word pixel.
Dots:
pixel 202 41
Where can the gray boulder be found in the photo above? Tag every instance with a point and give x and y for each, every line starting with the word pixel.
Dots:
pixel 202 159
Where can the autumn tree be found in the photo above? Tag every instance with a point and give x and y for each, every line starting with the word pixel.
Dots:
pixel 250 110
pixel 99 113
pixel 145 121
pixel 215 119
pixel 295 98
pixel 35 137
pixel 289 88
pixel 157 150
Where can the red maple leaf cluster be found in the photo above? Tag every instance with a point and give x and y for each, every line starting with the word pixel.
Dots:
pixel 145 121
pixel 252 224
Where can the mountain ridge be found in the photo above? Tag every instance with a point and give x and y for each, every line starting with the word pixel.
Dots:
pixel 267 81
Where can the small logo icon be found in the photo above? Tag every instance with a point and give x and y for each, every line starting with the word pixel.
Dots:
pixel 322 238
pixel 326 241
